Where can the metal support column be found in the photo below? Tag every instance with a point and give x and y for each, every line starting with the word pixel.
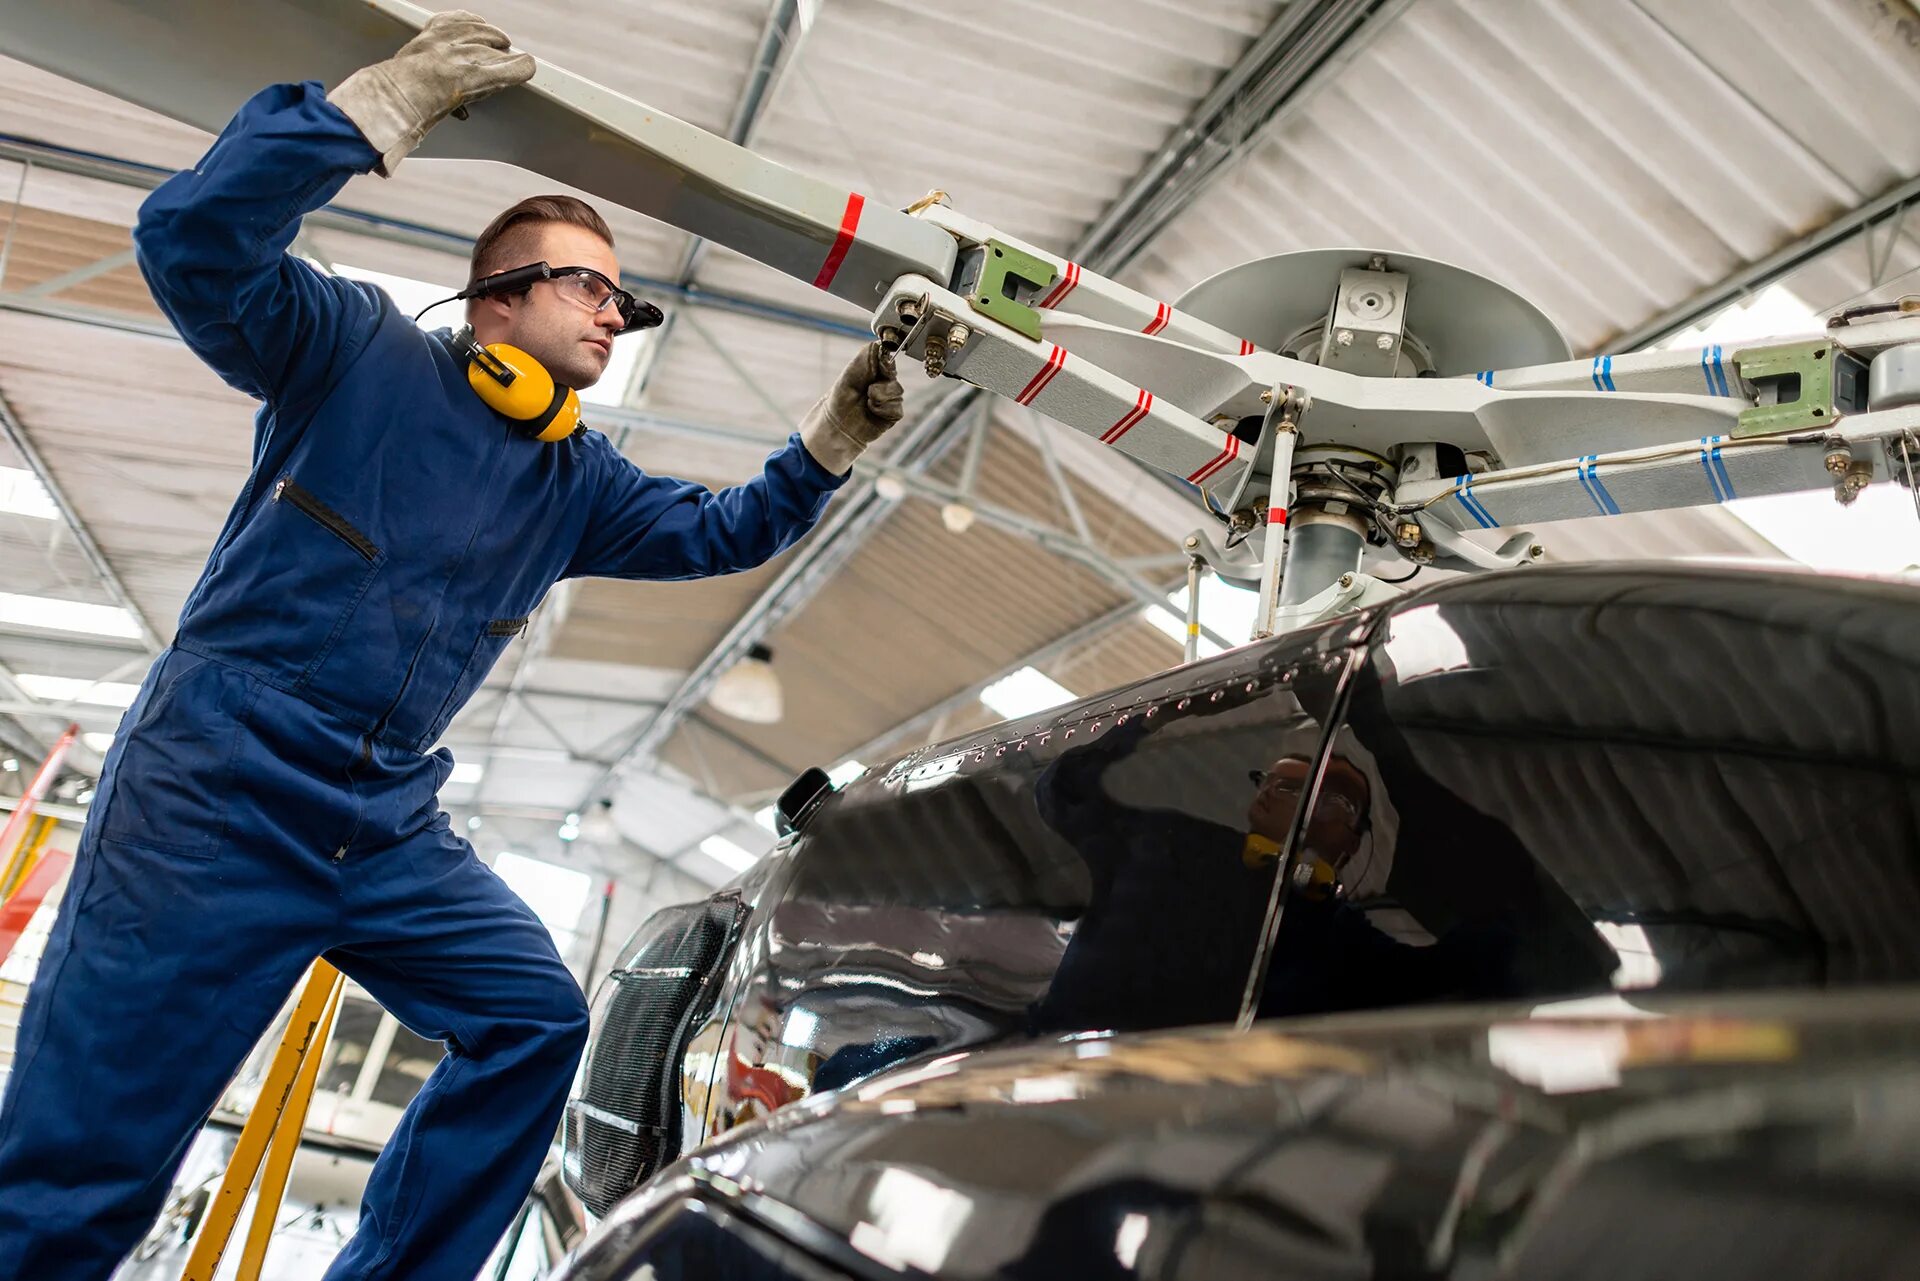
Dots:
pixel 1285 417
pixel 1191 647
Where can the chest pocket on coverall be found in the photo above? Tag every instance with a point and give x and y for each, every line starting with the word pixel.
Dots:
pixel 320 548
pixel 487 648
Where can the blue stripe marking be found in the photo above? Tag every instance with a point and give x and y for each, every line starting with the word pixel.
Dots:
pixel 1603 373
pixel 1596 375
pixel 1582 473
pixel 1485 376
pixel 1714 370
pixel 1716 470
pixel 1590 481
pixel 1463 490
pixel 1720 469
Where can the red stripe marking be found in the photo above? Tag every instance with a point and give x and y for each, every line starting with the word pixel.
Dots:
pixel 1161 316
pixel 1142 405
pixel 1068 279
pixel 1056 360
pixel 1225 456
pixel 1246 348
pixel 1276 515
pixel 849 223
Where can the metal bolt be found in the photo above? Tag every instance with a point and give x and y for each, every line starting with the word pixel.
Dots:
pixel 1859 476
pixel 1384 342
pixel 909 310
pixel 1343 338
pixel 1346 581
pixel 1407 535
pixel 1193 542
pixel 1266 397
pixel 1535 552
pixel 1378 262
pixel 936 356
pixel 957 337
pixel 1839 458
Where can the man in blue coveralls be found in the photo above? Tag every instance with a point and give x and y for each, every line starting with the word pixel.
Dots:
pixel 271 796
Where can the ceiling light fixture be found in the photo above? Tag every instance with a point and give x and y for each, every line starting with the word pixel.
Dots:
pixel 598 825
pixel 957 517
pixel 750 689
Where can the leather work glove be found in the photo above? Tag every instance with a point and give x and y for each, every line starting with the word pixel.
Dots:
pixel 858 410
pixel 456 59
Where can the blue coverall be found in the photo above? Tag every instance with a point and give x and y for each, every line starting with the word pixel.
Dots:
pixel 271 796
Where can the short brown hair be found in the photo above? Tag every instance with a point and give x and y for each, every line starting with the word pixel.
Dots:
pixel 506 238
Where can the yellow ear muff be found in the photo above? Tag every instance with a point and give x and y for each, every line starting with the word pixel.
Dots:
pixel 518 386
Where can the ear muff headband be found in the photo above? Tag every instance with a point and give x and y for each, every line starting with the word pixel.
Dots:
pixel 517 386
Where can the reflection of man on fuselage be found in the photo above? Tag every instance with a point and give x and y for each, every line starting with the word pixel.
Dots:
pixel 1177 900
pixel 1172 924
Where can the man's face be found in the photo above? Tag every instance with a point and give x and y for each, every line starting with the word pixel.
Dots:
pixel 1333 831
pixel 572 342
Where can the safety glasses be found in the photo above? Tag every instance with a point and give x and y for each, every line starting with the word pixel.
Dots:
pixel 582 286
pixel 585 287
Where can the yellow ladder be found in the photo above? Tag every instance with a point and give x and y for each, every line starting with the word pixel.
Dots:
pixel 271 1134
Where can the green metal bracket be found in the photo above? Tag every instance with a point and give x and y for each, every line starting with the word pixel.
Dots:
pixel 1797 378
pixel 1001 268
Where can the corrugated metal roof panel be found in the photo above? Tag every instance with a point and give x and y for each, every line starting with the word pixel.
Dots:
pixel 656 624
pixel 148 444
pixel 1606 159
pixel 869 102
pixel 727 368
pixel 921 612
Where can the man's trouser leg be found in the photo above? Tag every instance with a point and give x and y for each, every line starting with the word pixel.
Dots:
pixel 162 971
pixel 445 946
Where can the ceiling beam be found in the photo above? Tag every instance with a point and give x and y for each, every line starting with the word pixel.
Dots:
pixel 110 647
pixel 21 732
pixel 1060 646
pixel 785 30
pixel 1279 70
pixel 1301 41
pixel 18 703
pixel 16 435
pixel 79 275
pixel 100 317
pixel 1893 203
pixel 850 519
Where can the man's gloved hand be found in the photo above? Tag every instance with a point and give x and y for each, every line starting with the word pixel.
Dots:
pixel 456 59
pixel 866 401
